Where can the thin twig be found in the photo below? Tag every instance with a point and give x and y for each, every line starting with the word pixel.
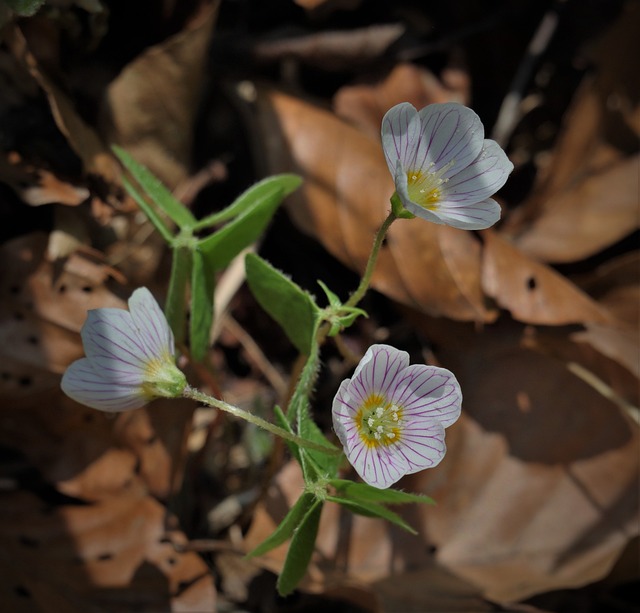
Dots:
pixel 277 381
pixel 510 111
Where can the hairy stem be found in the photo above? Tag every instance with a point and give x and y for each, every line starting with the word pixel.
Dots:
pixel 194 394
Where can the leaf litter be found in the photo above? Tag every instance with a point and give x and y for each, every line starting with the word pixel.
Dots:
pixel 538 317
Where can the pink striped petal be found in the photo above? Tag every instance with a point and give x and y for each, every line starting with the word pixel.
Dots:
pixel 111 339
pixel 477 216
pixel 378 369
pixel 402 431
pixel 428 393
pixel 422 445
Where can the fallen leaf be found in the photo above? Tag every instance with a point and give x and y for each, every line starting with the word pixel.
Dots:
pixel 150 108
pixel 532 291
pixel 365 105
pixel 538 488
pixel 585 198
pixel 117 555
pixel 617 287
pixel 82 138
pixel 583 220
pixel 333 50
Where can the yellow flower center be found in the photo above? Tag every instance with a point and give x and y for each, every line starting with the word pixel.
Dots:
pixel 425 187
pixel 379 421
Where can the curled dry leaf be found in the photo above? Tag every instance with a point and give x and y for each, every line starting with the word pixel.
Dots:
pixel 617 288
pixel 150 107
pixel 587 195
pixel 37 186
pixel 591 215
pixel 117 555
pixel 346 197
pixel 49 189
pixel 365 105
pixel 337 50
pixel 82 138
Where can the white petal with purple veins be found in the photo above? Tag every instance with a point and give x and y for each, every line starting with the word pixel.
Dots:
pixel 400 134
pixel 451 133
pixel 379 368
pixel 476 216
pixel 129 358
pixel 482 178
pixel 147 316
pixel 85 385
pixel 422 445
pixel 444 169
pixel 110 334
pixel 429 392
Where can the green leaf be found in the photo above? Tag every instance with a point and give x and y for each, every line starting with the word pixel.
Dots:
pixel 300 550
pixel 287 526
pixel 202 288
pixel 149 211
pixel 158 193
pixel 371 509
pixel 328 464
pixel 176 305
pixel 288 304
pixel 25 8
pixel 286 183
pixel 333 299
pixel 227 242
pixel 367 493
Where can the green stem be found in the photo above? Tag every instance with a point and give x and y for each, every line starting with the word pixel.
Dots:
pixel 361 290
pixel 306 381
pixel 194 394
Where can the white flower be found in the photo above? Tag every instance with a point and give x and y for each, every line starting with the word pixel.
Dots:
pixel 444 169
pixel 130 358
pixel 390 417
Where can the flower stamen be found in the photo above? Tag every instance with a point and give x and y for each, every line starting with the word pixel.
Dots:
pixel 378 421
pixel 425 186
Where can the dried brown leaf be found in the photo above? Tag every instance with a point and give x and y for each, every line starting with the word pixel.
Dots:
pixel 579 222
pixel 365 105
pixel 117 555
pixel 150 107
pixel 532 291
pixel 82 138
pixel 586 196
pixel 538 488
pixel 335 50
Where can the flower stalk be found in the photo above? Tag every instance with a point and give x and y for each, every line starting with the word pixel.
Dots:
pixel 195 394
pixel 361 290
